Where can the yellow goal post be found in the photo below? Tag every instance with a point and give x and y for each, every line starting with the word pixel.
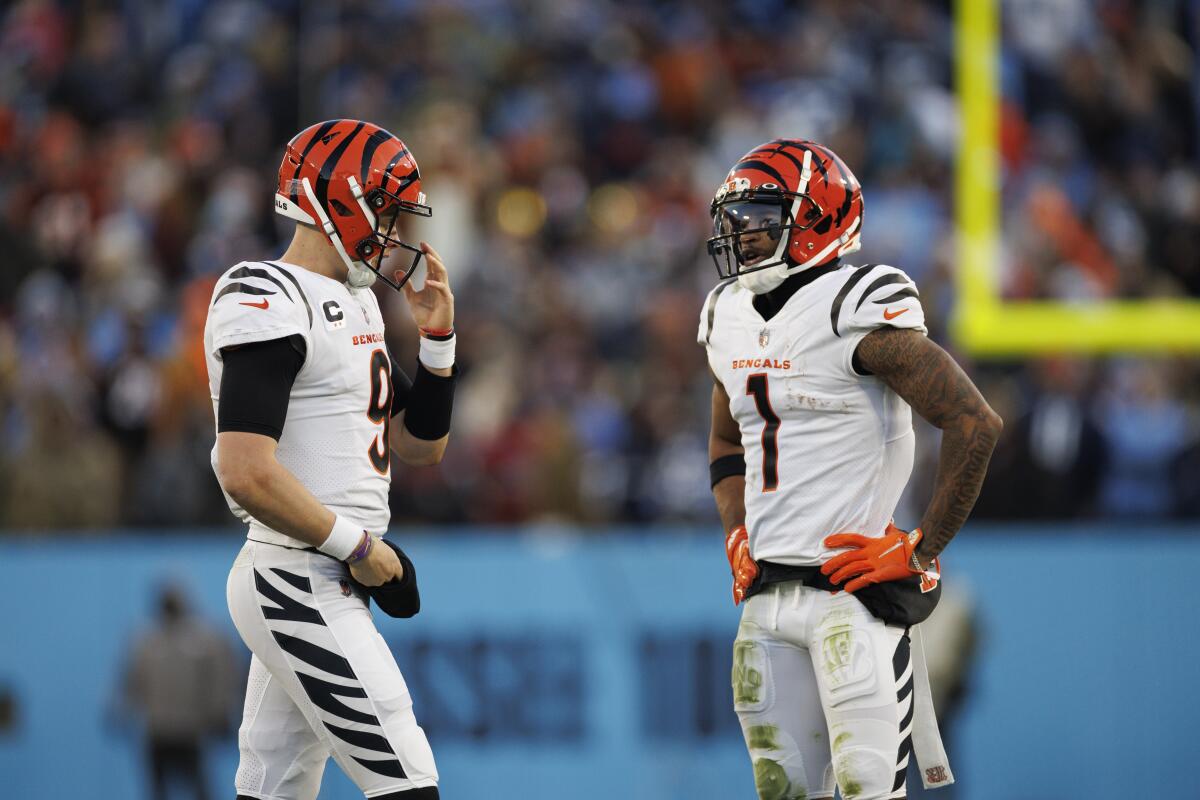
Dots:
pixel 985 325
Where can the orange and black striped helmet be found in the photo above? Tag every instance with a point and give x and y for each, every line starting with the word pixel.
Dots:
pixel 785 206
pixel 350 180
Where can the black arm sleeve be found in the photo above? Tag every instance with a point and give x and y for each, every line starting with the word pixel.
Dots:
pixel 256 381
pixel 431 404
pixel 401 387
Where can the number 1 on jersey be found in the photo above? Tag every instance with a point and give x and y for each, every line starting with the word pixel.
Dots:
pixel 756 385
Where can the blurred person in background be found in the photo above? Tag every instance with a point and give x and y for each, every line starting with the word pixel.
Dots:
pixel 1051 461
pixel 309 407
pixel 85 491
pixel 1185 472
pixel 817 366
pixel 1147 430
pixel 181 682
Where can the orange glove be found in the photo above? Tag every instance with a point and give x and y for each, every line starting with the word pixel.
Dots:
pixel 745 568
pixel 890 557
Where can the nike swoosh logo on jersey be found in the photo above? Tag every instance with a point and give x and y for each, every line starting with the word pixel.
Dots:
pixel 263 305
pixel 888 314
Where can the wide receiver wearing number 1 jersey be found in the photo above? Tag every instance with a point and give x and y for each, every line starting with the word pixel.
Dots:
pixel 818 364
pixel 305 394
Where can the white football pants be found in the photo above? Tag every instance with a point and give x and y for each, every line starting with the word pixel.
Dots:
pixel 322 682
pixel 824 692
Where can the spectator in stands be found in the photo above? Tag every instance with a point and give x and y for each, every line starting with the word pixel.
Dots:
pixel 1147 430
pixel 1050 463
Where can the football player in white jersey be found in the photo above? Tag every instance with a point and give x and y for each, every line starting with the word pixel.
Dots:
pixel 818 364
pixel 309 406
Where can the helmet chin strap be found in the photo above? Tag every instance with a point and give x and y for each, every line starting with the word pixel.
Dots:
pixel 764 280
pixel 360 277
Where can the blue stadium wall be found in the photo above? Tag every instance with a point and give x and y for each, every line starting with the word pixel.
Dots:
pixel 596 666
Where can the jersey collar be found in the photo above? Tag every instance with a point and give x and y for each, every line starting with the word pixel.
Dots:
pixel 771 303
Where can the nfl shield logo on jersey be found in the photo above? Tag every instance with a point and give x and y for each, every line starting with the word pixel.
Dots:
pixel 764 336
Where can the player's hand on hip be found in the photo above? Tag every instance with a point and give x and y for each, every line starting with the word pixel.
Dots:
pixel 379 566
pixel 433 306
pixel 873 559
pixel 744 568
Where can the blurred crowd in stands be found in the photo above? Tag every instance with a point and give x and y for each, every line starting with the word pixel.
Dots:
pixel 569 149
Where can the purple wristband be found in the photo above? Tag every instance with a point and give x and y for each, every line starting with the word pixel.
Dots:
pixel 364 547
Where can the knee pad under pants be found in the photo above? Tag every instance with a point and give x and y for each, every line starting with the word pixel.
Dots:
pixel 823 691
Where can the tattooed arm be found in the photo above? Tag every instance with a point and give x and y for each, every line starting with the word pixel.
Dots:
pixel 725 439
pixel 929 380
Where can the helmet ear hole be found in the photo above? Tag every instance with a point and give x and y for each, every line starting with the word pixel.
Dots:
pixel 341 208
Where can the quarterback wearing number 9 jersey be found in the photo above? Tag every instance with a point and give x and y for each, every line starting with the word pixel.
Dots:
pixel 818 364
pixel 309 407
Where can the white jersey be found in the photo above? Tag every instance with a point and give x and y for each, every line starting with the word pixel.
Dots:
pixel 827 450
pixel 335 437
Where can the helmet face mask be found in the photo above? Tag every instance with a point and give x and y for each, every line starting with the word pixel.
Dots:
pixel 372 249
pixel 350 180
pixel 751 229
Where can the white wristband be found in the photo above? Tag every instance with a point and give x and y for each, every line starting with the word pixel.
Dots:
pixel 437 354
pixel 342 540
